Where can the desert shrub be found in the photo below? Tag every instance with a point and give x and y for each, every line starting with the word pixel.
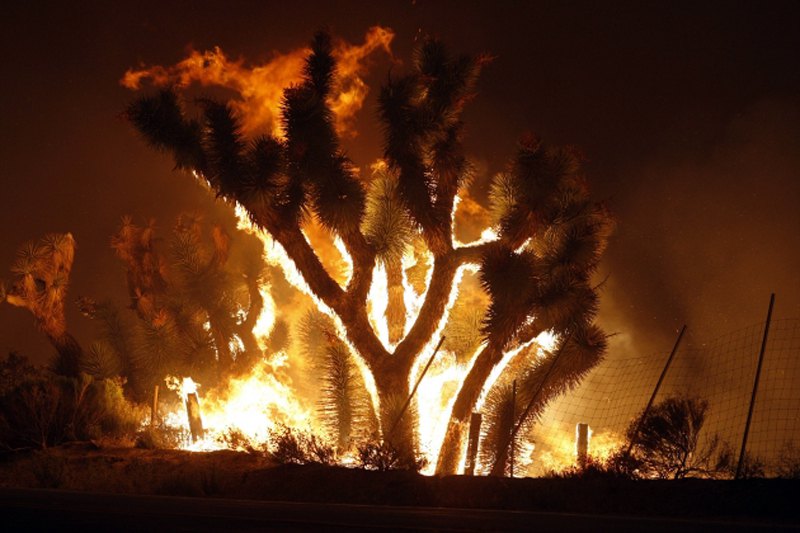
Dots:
pixel 665 443
pixel 291 446
pixel 40 409
pixel 789 462
pixel 382 456
pixel 753 467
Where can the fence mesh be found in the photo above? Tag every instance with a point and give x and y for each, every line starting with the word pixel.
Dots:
pixel 721 372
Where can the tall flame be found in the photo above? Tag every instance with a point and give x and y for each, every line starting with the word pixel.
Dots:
pixel 260 87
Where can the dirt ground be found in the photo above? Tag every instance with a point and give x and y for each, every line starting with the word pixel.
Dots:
pixel 227 474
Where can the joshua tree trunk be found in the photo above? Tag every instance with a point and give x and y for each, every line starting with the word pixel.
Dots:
pixel 397 428
pixel 453 445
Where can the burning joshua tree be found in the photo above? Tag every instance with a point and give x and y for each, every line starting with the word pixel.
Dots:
pixel 395 231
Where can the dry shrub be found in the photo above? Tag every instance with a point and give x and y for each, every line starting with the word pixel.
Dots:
pixel 291 446
pixel 40 409
pixel 789 462
pixel 383 456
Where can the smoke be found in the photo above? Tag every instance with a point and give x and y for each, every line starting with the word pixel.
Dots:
pixel 703 239
pixel 259 88
pixel 704 236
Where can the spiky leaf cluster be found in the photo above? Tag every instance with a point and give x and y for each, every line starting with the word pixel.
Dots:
pixel 41 278
pixel 343 405
pixel 421 112
pixel 276 180
pixel 195 308
pixel 387 225
pixel 551 238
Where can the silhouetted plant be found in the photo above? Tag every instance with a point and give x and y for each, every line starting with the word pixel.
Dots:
pixel 383 456
pixel 42 409
pixel 613 467
pixel 665 443
pixel 292 446
pixel 789 462
pixel 343 404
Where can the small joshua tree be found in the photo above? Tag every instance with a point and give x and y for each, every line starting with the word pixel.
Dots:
pixel 41 278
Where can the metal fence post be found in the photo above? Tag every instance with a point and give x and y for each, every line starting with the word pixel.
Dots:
pixel 655 390
pixel 742 452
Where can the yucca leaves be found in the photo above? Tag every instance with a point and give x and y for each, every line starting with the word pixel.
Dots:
pixel 509 278
pixel 387 225
pixel 343 404
pixel 162 122
pixel 101 361
pixel 421 115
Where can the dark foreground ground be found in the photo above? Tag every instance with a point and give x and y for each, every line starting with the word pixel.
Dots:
pixel 43 509
pixel 88 486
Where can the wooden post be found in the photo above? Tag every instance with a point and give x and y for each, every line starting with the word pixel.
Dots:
pixel 472 447
pixel 416 386
pixel 154 408
pixel 742 452
pixel 582 444
pixel 655 390
pixel 193 413
pixel 511 432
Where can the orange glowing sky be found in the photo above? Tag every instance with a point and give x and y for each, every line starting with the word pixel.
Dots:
pixel 689 117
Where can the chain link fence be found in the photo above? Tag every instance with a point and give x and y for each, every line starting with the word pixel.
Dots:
pixel 720 372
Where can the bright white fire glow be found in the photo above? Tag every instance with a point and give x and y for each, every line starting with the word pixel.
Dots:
pixel 253 405
pixel 377 302
pixel 266 320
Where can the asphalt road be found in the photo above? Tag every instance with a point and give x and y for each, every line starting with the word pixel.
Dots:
pixel 35 510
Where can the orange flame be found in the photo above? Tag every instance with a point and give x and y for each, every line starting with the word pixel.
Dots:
pixel 252 405
pixel 260 87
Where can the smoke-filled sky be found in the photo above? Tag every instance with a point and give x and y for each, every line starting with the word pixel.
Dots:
pixel 688 114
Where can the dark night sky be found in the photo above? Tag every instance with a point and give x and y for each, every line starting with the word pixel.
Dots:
pixel 688 114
